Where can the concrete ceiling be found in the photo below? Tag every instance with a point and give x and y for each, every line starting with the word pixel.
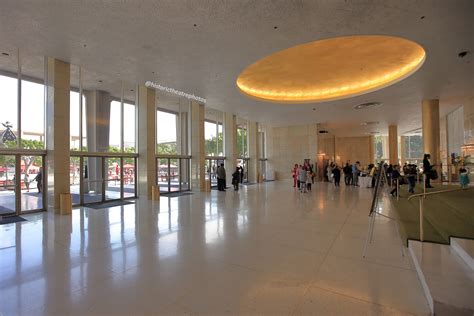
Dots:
pixel 201 46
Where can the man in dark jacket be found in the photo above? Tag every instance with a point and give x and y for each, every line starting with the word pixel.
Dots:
pixel 221 178
pixel 347 174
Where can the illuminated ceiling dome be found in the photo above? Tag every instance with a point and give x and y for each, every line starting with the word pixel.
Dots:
pixel 331 69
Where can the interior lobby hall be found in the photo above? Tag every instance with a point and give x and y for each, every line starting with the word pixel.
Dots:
pixel 254 157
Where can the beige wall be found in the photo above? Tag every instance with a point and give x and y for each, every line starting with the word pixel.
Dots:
pixel 289 145
pixel 353 149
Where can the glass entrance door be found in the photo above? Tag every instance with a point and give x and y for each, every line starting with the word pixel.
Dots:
pixel 7 185
pixel 172 174
pixel 21 183
pixel 102 178
pixel 244 163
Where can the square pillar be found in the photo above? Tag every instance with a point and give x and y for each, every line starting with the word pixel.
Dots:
pixel 57 130
pixel 230 144
pixel 198 154
pixel 403 150
pixel 252 132
pixel 393 144
pixel 146 141
pixel 430 126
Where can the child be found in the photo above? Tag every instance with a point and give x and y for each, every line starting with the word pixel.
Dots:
pixel 309 177
pixel 463 177
pixel 302 178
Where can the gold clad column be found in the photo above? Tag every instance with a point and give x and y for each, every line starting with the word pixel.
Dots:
pixel 393 144
pixel 146 141
pixel 403 150
pixel 57 131
pixel 198 180
pixel 430 126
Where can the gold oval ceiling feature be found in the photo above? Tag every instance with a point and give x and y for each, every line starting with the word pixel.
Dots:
pixel 331 69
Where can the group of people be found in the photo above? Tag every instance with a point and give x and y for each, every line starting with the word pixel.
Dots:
pixel 237 177
pixel 26 180
pixel 303 177
pixel 351 173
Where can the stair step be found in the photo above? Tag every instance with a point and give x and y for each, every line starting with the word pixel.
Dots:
pixel 447 280
pixel 465 249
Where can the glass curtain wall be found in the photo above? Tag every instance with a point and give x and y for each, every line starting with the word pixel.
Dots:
pixel 381 148
pixel 22 132
pixel 214 144
pixel 242 147
pixel 103 137
pixel 414 149
pixel 262 144
pixel 172 148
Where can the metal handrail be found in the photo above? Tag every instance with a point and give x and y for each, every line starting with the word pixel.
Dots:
pixel 438 192
pixel 421 198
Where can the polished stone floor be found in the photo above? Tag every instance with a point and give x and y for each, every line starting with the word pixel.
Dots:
pixel 265 249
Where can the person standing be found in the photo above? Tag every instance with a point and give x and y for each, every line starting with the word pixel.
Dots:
pixel 26 180
pixel 241 174
pixel 236 179
pixel 294 173
pixel 347 174
pixel 221 183
pixel 336 172
pixel 302 179
pixel 355 173
pixel 329 172
pixel 395 174
pixel 309 177
pixel 427 170
pixel 39 180
pixel 463 177
pixel 411 177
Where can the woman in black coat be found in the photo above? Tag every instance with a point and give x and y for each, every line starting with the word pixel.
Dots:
pixel 427 169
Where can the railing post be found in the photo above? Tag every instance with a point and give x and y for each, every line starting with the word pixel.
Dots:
pixel 421 219
pixel 398 188
pixel 424 184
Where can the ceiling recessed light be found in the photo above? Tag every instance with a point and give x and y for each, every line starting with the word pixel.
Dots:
pixel 367 105
pixel 195 25
pixel 275 27
pixel 5 54
pixel 84 45
pixel 369 123
pixel 462 54
pixel 422 17
pixel 100 81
